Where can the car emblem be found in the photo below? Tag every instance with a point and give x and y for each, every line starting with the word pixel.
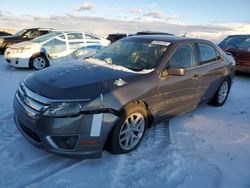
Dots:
pixel 120 82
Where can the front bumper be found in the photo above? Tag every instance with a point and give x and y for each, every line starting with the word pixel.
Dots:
pixel 41 130
pixel 16 59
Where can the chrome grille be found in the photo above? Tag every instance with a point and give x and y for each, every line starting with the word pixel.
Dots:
pixel 35 104
pixel 30 100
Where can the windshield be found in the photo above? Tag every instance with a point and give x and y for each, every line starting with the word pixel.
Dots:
pixel 19 33
pixel 233 41
pixel 136 55
pixel 46 37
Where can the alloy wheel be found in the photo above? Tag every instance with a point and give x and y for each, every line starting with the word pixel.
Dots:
pixel 223 92
pixel 132 131
pixel 39 63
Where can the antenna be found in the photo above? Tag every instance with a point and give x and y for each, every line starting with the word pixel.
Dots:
pixel 184 35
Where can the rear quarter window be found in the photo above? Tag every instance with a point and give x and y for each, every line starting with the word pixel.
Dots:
pixel 91 37
pixel 75 36
pixel 43 32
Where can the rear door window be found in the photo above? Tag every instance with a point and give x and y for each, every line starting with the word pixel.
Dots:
pixel 208 53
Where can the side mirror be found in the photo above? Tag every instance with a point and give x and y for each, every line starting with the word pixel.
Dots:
pixel 176 71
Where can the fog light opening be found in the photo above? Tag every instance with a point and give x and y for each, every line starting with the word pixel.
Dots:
pixel 63 142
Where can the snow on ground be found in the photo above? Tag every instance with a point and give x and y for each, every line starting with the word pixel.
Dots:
pixel 209 147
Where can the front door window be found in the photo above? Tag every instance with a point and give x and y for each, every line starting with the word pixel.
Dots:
pixel 183 57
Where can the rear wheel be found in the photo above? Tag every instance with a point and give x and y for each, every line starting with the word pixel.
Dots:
pixel 128 133
pixel 39 62
pixel 221 94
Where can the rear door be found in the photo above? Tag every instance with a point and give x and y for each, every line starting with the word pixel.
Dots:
pixel 179 94
pixel 212 67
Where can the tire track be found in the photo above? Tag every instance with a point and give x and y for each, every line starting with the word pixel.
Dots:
pixel 22 168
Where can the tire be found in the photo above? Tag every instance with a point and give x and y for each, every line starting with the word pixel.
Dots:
pixel 124 138
pixel 221 94
pixel 4 48
pixel 39 62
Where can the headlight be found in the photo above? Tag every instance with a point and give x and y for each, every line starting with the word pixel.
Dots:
pixel 64 109
pixel 1 42
pixel 22 50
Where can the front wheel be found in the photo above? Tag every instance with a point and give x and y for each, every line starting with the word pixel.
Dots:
pixel 39 62
pixel 221 94
pixel 128 133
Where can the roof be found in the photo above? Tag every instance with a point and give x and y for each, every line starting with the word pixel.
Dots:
pixel 166 38
pixel 40 28
pixel 239 35
pixel 152 33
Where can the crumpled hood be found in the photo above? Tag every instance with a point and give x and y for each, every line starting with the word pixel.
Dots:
pixel 25 44
pixel 78 81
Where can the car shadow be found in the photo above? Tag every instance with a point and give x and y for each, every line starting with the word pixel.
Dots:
pixel 242 74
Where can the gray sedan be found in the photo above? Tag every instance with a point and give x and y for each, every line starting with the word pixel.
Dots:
pixel 113 97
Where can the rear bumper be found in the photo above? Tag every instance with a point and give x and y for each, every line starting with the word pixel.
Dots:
pixel 40 131
pixel 243 68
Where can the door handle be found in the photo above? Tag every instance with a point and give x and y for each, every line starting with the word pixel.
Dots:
pixel 196 76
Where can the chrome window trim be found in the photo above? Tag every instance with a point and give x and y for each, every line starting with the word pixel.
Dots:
pixel 203 65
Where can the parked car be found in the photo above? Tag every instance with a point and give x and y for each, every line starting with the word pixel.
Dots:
pixel 39 52
pixel 110 100
pixel 20 36
pixel 117 36
pixel 3 33
pixel 239 47
pixel 87 51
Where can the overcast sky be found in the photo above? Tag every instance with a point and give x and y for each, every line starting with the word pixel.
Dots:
pixel 211 19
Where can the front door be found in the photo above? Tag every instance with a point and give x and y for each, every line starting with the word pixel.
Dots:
pixel 179 94
pixel 56 48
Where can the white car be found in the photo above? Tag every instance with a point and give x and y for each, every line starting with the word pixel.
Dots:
pixel 39 52
pixel 87 51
